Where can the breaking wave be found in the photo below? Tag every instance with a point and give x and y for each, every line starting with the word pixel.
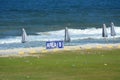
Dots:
pixel 75 34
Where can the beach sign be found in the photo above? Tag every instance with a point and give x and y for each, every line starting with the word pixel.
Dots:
pixel 54 44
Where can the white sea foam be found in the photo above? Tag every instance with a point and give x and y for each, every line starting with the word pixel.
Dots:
pixel 79 33
pixel 75 34
pixel 10 40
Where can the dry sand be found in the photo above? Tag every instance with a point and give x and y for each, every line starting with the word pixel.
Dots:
pixel 28 51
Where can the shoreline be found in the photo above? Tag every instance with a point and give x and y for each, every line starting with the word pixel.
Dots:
pixel 28 51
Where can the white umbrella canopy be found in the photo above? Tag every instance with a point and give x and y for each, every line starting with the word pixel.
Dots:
pixel 24 36
pixel 67 36
pixel 104 31
pixel 113 33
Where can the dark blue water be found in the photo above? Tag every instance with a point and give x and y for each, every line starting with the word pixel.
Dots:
pixel 50 15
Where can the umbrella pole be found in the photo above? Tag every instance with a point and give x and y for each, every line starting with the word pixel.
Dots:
pixel 113 39
pixel 106 40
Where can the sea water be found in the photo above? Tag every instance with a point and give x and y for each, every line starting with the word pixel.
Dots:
pixel 45 20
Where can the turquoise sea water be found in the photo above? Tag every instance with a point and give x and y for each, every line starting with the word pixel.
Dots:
pixel 45 20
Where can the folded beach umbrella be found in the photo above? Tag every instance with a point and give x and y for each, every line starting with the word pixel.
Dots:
pixel 24 36
pixel 104 31
pixel 113 33
pixel 67 36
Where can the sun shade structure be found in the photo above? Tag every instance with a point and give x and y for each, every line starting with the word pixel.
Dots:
pixel 24 36
pixel 104 31
pixel 113 33
pixel 67 36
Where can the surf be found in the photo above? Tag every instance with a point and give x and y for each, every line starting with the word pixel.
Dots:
pixel 75 34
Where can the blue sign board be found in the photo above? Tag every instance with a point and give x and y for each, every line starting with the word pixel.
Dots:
pixel 54 44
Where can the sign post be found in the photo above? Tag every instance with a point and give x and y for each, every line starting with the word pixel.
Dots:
pixel 54 44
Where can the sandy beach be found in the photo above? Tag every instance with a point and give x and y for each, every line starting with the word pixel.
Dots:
pixel 28 51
